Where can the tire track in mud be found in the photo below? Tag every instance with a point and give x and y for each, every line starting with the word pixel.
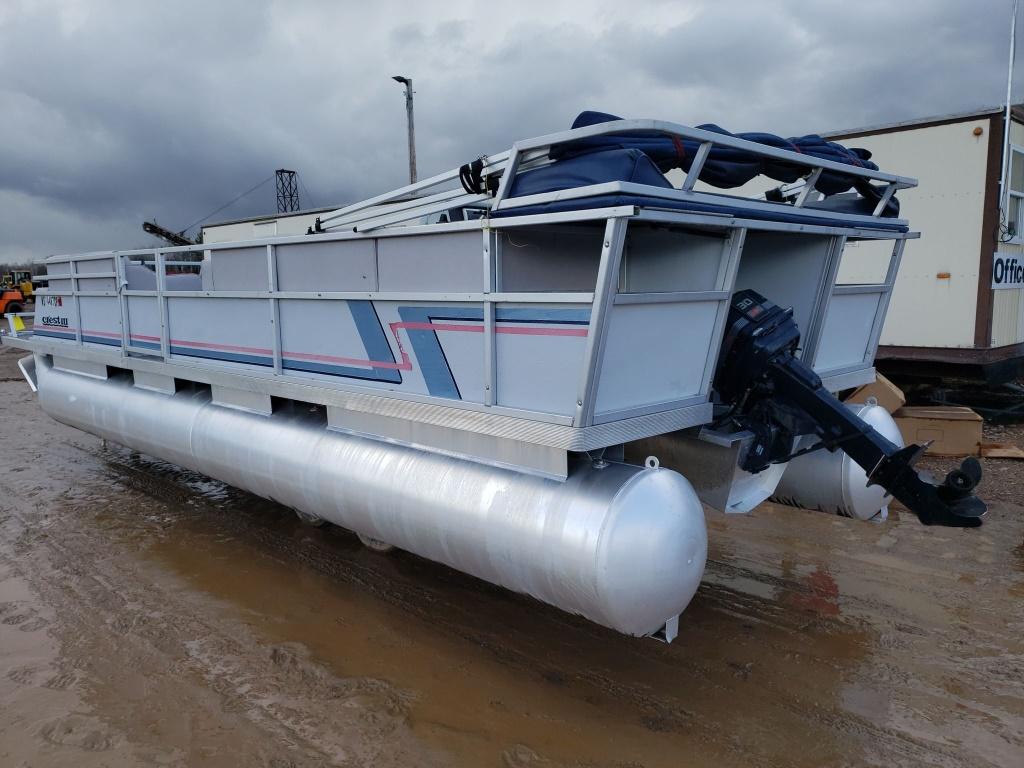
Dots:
pixel 315 716
pixel 115 628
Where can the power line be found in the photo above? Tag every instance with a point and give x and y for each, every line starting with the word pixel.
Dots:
pixel 306 191
pixel 229 203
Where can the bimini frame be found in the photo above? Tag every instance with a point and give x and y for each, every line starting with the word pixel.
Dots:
pixel 396 207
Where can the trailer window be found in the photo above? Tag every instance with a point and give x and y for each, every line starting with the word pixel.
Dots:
pixel 1015 194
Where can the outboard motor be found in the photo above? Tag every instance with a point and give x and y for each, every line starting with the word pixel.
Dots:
pixel 764 388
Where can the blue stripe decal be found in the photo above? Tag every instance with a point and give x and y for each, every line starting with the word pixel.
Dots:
pixel 287 363
pixel 64 335
pixel 433 364
pixel 308 366
pixel 70 336
pixel 436 372
pixel 371 334
pixel 102 340
pixel 537 315
pixel 232 357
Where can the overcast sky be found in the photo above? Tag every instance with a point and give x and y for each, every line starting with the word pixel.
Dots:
pixel 114 112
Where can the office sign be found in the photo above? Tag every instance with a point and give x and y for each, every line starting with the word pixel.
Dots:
pixel 1008 270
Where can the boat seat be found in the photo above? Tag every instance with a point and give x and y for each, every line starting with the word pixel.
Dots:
pixel 634 166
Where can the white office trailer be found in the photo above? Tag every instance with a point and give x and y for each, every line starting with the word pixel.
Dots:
pixel 259 227
pixel 958 303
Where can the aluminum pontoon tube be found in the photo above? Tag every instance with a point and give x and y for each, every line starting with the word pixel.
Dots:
pixel 624 546
pixel 833 482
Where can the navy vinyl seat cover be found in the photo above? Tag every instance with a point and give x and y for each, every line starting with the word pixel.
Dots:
pixel 632 165
pixel 643 157
pixel 725 167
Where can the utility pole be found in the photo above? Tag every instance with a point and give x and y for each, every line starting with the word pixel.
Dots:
pixel 1004 199
pixel 407 82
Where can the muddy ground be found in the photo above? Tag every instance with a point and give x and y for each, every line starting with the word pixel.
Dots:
pixel 150 616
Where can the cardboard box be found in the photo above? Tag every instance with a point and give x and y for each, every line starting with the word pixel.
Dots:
pixel 1002 451
pixel 888 395
pixel 956 431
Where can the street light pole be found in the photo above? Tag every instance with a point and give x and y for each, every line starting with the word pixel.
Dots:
pixel 407 82
pixel 1004 199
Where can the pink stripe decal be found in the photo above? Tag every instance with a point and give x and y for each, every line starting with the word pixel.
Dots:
pixel 405 365
pixel 516 330
pixel 438 327
pixel 226 347
pixel 69 329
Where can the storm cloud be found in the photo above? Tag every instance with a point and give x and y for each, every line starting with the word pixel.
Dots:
pixel 114 112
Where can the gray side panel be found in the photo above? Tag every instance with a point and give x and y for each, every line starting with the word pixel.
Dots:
pixel 788 269
pixel 101 320
pixel 655 353
pixel 333 266
pixel 239 269
pixel 97 284
pixel 448 262
pixel 550 259
pixel 847 332
pixel 540 373
pixel 94 266
pixel 660 260
pixel 143 321
pixel 139 277
pixel 228 330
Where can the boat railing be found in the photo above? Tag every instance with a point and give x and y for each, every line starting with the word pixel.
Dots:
pixel 101 279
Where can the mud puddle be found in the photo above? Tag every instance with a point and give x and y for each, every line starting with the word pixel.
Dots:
pixel 150 616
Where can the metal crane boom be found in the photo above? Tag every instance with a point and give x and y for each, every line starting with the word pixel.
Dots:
pixel 174 238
